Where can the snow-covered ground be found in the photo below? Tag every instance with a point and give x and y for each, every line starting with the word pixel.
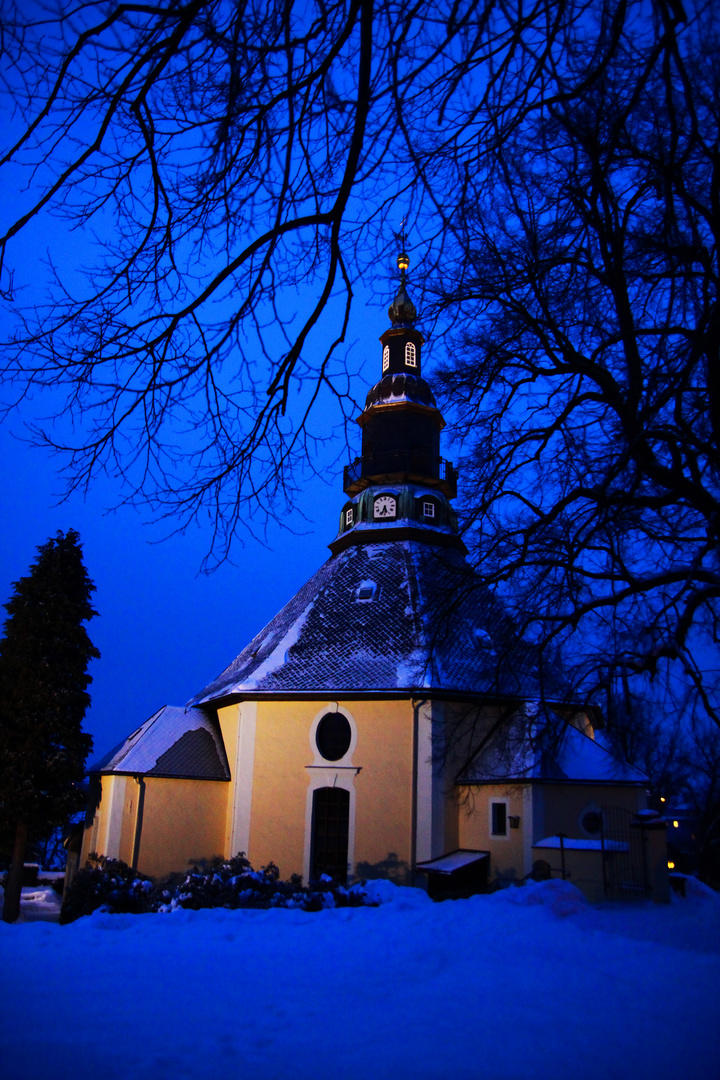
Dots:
pixel 528 983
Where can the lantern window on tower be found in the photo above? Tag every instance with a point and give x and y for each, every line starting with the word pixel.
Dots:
pixel 386 358
pixel 410 355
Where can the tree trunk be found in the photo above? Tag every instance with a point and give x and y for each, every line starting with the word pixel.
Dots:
pixel 13 888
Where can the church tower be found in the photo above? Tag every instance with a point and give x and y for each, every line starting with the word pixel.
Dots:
pixel 400 487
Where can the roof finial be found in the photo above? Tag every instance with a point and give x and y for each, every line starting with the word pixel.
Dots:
pixel 402 310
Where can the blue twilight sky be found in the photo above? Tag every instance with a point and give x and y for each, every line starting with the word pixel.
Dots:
pixel 164 629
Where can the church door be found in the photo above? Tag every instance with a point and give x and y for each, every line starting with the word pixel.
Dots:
pixel 330 819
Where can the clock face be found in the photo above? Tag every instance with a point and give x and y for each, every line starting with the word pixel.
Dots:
pixel 384 507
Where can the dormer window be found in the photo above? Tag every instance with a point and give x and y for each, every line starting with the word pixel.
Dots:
pixel 366 591
pixel 410 356
pixel 428 509
pixel 386 358
pixel 349 517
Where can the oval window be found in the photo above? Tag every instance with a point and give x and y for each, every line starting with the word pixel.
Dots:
pixel 333 736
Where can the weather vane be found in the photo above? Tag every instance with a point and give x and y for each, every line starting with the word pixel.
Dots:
pixel 403 260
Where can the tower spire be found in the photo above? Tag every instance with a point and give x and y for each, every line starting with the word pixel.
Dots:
pixel 400 488
pixel 402 310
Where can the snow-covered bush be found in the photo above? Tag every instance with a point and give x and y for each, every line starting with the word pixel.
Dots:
pixel 110 884
pixel 226 883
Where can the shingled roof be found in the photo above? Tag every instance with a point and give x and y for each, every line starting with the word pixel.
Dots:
pixel 175 742
pixel 393 617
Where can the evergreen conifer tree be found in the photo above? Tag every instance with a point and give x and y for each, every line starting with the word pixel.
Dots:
pixel 44 657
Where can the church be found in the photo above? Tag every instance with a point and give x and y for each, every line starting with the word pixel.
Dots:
pixel 387 722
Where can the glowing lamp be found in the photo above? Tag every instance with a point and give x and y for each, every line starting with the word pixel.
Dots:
pixel 676 825
pixel 671 866
pixel 403 261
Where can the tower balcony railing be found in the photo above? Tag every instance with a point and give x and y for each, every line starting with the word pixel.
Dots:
pixel 400 465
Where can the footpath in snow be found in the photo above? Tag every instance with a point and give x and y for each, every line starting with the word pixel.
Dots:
pixel 527 983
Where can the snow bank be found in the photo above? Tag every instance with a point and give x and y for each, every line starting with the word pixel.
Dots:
pixel 37 902
pixel 492 988
pixel 382 891
pixel 561 897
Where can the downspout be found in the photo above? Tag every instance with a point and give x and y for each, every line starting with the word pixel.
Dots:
pixel 417 705
pixel 140 781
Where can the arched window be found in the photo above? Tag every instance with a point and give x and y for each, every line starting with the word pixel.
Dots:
pixel 410 360
pixel 386 358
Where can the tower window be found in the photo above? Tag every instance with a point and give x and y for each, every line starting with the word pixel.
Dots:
pixel 386 358
pixel 349 517
pixel 410 357
pixel 428 509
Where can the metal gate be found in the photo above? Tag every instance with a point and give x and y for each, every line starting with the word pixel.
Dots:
pixel 623 856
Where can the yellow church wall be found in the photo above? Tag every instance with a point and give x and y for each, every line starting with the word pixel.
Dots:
pixel 508 854
pixel 279 784
pixel 183 823
pixel 383 821
pixel 286 768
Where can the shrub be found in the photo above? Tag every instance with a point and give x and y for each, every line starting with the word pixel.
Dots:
pixel 109 884
pixel 227 883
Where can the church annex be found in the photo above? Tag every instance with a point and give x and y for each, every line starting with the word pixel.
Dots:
pixel 386 722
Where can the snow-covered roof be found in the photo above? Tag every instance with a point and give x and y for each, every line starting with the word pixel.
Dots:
pixel 554 843
pixel 176 742
pixel 455 860
pixel 547 748
pixel 430 624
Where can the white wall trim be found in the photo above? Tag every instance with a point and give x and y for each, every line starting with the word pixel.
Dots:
pixel 430 787
pixel 322 773
pixel 243 778
pixel 347 760
pixel 110 846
